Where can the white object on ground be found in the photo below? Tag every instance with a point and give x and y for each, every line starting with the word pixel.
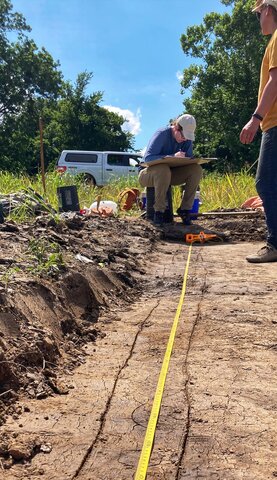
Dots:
pixel 105 203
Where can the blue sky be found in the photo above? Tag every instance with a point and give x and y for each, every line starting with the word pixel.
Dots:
pixel 131 46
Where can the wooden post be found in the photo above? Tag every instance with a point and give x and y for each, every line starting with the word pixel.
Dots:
pixel 42 154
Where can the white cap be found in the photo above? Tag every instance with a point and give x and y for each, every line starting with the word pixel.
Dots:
pixel 188 124
pixel 261 3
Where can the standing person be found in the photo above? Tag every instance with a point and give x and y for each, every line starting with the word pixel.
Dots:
pixel 265 115
pixel 172 141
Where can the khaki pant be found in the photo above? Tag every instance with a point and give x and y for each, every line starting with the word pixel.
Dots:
pixel 161 176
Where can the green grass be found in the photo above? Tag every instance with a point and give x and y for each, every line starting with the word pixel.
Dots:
pixel 217 191
pixel 47 257
pixel 226 191
pixel 221 191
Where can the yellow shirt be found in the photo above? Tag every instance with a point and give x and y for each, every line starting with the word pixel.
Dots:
pixel 269 62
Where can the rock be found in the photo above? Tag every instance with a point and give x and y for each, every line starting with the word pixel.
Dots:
pixel 9 227
pixel 42 391
pixel 58 386
pixel 19 450
pixel 46 448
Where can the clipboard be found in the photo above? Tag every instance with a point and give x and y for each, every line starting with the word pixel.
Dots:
pixel 177 161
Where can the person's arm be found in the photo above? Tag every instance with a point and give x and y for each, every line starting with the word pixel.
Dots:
pixel 155 147
pixel 189 151
pixel 186 150
pixel 268 97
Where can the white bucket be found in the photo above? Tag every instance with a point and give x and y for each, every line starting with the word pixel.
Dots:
pixel 105 203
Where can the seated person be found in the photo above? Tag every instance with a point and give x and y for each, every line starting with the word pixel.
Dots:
pixel 172 141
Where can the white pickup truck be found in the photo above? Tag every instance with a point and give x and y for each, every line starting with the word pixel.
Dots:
pixel 99 168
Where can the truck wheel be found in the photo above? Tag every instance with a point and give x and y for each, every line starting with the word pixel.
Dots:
pixel 89 180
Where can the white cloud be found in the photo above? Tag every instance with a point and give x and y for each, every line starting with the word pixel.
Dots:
pixel 132 120
pixel 179 75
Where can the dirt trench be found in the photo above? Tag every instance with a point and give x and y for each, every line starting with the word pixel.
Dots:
pixel 218 416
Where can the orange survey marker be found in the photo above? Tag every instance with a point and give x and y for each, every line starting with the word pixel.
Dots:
pixel 200 237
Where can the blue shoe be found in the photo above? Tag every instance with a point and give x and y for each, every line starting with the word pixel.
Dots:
pixel 159 218
pixel 185 216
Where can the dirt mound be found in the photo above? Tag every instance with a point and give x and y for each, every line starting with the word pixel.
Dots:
pixel 231 226
pixel 242 226
pixel 57 277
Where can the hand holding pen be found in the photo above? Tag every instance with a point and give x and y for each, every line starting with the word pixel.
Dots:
pixel 180 154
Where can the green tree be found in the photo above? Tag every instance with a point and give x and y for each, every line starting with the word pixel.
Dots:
pixel 223 85
pixel 80 123
pixel 19 139
pixel 26 74
pixel 75 121
pixel 31 86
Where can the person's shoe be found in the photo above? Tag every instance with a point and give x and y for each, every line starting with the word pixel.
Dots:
pixel 266 254
pixel 168 216
pixel 158 218
pixel 185 216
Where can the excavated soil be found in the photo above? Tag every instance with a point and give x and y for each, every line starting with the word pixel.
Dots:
pixel 55 316
pixel 48 312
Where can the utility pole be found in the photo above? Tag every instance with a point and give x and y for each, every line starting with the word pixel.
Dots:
pixel 42 154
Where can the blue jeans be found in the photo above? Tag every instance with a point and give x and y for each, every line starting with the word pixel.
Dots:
pixel 266 182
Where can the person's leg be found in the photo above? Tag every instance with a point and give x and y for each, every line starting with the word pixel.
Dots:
pixel 159 177
pixel 266 185
pixel 191 176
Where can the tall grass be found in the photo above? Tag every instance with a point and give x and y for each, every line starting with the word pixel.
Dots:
pixel 226 191
pixel 217 191
pixel 10 184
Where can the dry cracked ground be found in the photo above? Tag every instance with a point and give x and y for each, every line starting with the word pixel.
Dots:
pixel 82 344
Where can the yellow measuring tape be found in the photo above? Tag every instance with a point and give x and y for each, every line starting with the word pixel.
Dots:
pixel 153 419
